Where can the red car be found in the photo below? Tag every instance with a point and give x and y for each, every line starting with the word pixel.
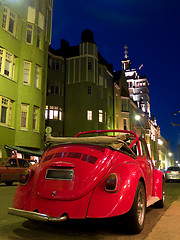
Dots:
pixel 11 169
pixel 91 177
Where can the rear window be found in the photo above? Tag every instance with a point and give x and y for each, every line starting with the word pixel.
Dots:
pixel 174 168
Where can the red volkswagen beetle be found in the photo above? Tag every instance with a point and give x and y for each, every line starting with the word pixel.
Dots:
pixel 91 177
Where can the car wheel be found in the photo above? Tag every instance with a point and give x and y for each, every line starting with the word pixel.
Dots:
pixel 160 203
pixel 136 216
pixel 8 183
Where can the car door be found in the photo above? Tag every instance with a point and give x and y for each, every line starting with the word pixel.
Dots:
pixel 10 172
pixel 147 168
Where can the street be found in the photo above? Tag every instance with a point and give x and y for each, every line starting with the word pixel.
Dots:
pixel 14 228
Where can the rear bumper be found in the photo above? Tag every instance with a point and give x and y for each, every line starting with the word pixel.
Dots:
pixel 36 216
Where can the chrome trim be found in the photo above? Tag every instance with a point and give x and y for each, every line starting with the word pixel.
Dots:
pixel 35 216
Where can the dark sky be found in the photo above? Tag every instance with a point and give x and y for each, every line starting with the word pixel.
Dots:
pixel 150 29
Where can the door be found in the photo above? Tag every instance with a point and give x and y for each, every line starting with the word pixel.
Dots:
pixel 10 170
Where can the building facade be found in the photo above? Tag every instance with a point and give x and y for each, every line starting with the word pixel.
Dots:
pixel 86 80
pixel 25 30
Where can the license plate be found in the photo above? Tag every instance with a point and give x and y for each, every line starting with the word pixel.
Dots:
pixel 58 174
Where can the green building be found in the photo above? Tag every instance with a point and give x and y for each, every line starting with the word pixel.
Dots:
pixel 80 88
pixel 25 30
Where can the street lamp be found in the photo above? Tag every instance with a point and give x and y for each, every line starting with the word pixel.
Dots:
pixel 137 117
pixel 170 154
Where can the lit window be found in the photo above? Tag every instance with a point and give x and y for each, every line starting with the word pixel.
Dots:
pixel 60 114
pixel 24 115
pixel 89 115
pixel 54 113
pixel 9 21
pixel 46 113
pixel 29 33
pixel 27 69
pixel 100 116
pixel 5 110
pixel 35 118
pixel 7 63
pixel 37 77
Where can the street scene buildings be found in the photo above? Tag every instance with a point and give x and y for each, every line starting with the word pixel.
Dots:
pixel 67 90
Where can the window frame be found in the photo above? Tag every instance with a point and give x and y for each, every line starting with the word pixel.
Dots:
pixel 35 125
pixel 7 57
pixel 89 115
pixel 29 75
pixel 27 116
pixel 9 15
pixel 8 106
pixel 37 78
pixel 30 29
pixel 100 116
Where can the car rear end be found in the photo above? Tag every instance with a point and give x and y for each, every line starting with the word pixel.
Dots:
pixel 172 174
pixel 63 182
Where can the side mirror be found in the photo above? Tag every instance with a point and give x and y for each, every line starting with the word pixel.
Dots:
pixel 8 165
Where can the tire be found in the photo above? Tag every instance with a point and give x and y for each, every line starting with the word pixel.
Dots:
pixel 160 203
pixel 136 216
pixel 8 183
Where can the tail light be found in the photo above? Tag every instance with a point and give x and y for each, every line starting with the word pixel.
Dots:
pixel 112 182
pixel 168 171
pixel 26 176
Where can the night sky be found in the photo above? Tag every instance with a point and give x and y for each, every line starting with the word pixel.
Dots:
pixel 150 29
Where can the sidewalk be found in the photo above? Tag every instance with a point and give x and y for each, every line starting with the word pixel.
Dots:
pixel 168 227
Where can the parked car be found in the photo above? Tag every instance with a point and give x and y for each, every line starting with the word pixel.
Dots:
pixel 11 169
pixel 172 174
pixel 91 177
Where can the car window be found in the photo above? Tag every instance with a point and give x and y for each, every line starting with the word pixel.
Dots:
pixel 12 163
pixel 174 168
pixel 144 149
pixel 23 163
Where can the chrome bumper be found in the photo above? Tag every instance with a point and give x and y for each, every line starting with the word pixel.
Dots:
pixel 35 216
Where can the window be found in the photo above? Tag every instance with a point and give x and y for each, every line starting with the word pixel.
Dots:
pixel 29 33
pixel 12 162
pixel 46 112
pixel 56 63
pixel 53 112
pixel 24 115
pixel 89 66
pixel 27 69
pixel 100 116
pixel 89 90
pixel 5 110
pixel 9 21
pixel 37 77
pixel 89 115
pixel 7 63
pixel 39 38
pixel 125 123
pixel 31 3
pixel 23 163
pixel 55 88
pixel 125 105
pixel 35 118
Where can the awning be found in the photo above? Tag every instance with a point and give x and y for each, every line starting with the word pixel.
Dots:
pixel 23 150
